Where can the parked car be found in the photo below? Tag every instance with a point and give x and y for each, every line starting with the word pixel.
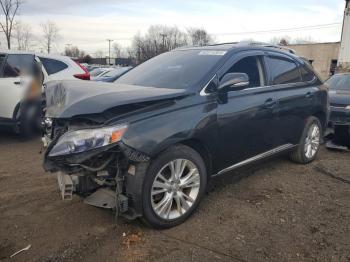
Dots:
pixel 147 145
pixel 111 76
pixel 339 95
pixel 99 71
pixel 58 67
pixel 22 75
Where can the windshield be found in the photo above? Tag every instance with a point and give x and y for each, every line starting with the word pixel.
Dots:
pixel 176 69
pixel 339 82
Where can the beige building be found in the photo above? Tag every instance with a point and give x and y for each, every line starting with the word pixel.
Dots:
pixel 322 56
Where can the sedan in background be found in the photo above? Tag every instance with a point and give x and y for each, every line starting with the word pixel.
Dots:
pixel 339 95
pixel 112 75
pixel 99 71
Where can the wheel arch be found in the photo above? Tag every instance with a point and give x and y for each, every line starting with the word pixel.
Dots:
pixel 202 150
pixel 322 117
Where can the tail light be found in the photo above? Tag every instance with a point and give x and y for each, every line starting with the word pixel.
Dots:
pixel 85 76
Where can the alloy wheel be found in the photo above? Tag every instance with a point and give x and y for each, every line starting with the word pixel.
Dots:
pixel 312 141
pixel 175 189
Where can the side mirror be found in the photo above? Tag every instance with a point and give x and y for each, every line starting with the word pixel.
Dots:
pixel 234 81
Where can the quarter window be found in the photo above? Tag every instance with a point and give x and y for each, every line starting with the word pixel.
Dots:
pixel 283 71
pixel 306 74
pixel 53 66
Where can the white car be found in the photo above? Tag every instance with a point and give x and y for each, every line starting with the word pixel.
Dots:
pixel 22 76
pixel 59 67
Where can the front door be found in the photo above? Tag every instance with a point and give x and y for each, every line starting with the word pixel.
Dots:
pixel 14 81
pixel 247 118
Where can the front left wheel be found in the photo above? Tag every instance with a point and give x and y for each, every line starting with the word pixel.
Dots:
pixel 174 185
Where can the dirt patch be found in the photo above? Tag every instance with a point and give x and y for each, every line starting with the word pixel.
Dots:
pixel 276 211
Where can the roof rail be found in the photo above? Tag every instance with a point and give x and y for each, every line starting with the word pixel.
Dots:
pixel 281 47
pixel 255 43
pixel 227 43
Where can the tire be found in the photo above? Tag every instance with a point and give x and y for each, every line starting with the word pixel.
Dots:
pixel 301 153
pixel 180 200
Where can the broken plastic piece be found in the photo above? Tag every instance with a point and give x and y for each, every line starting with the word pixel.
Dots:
pixel 19 251
pixel 65 185
pixel 103 197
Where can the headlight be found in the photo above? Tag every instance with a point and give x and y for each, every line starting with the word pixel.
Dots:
pixel 87 139
pixel 348 107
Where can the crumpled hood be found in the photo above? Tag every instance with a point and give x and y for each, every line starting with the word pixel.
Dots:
pixel 339 97
pixel 65 99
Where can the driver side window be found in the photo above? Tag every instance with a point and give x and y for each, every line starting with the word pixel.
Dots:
pixel 253 67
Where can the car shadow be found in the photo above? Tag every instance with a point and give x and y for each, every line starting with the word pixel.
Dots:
pixel 10 138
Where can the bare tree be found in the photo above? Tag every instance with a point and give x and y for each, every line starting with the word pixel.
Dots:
pixel 99 54
pixel 10 10
pixel 199 36
pixel 50 34
pixel 23 35
pixel 157 40
pixel 75 52
pixel 117 50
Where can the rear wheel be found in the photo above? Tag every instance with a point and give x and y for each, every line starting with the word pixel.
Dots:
pixel 174 185
pixel 310 142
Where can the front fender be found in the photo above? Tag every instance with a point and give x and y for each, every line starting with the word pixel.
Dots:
pixel 155 134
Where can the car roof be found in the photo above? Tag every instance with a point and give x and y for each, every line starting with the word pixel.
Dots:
pixel 16 52
pixel 241 45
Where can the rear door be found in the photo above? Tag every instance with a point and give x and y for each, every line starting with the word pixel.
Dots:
pixel 247 119
pixel 13 81
pixel 294 92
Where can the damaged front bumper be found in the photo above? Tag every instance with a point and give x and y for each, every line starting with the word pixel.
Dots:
pixel 106 177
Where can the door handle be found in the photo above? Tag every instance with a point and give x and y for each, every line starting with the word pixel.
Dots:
pixel 17 83
pixel 270 103
pixel 309 95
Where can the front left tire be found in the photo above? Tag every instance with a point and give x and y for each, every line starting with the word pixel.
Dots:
pixel 174 185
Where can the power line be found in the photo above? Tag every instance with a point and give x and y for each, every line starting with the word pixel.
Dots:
pixel 312 27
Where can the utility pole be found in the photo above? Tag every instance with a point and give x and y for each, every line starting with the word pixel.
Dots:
pixel 109 50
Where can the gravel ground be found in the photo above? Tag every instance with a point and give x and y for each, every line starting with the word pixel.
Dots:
pixel 275 211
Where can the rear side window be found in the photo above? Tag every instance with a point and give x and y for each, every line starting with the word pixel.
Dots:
pixel 283 71
pixel 16 65
pixel 52 66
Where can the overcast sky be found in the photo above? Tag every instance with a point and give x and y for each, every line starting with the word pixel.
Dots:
pixel 88 23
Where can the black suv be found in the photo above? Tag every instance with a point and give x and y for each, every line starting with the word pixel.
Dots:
pixel 147 145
